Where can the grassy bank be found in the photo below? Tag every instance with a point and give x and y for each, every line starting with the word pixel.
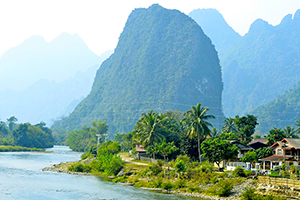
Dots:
pixel 18 148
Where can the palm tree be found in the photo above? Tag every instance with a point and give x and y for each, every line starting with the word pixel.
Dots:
pixel 214 132
pixel 289 132
pixel 229 126
pixel 149 128
pixel 197 124
pixel 298 126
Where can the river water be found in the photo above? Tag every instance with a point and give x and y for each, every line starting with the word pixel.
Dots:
pixel 21 177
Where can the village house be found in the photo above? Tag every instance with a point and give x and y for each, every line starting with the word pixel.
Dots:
pixel 285 151
pixel 258 143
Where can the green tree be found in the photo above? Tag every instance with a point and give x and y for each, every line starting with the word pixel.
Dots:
pixel 12 123
pixel 297 124
pixel 197 124
pixel 246 126
pixel 275 135
pixel 250 156
pixel 214 132
pixel 100 128
pixel 165 149
pixel 229 126
pixel 228 136
pixel 149 128
pixel 263 152
pixel 217 150
pixel 290 132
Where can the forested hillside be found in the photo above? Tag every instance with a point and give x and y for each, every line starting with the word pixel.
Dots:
pixel 163 61
pixel 261 65
pixel 280 112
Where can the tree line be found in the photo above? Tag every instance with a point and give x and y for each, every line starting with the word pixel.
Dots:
pixel 25 134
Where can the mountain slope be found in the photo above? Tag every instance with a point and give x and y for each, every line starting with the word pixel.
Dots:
pixel 280 112
pixel 163 61
pixel 216 28
pixel 262 65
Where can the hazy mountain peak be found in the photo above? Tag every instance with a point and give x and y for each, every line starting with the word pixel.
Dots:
pixel 259 25
pixel 214 25
pixel 297 16
pixel 287 19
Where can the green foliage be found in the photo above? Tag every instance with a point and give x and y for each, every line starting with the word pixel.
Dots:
pixel 217 150
pixel 167 185
pixel 228 136
pixel 222 189
pixel 179 166
pixel 82 140
pixel 108 163
pixel 250 156
pixel 18 148
pixel 109 147
pixel 155 65
pixel 274 136
pixel 263 152
pixel 246 126
pixel 250 194
pixel 239 172
pixel 38 136
pixel 197 124
pixel 78 167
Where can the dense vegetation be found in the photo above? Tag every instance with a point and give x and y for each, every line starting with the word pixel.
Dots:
pixel 280 112
pixel 25 134
pixel 261 65
pixel 163 61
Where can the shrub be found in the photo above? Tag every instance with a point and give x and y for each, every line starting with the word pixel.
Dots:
pixel 87 168
pixel 78 167
pixel 168 185
pixel 180 183
pixel 248 194
pixel 239 172
pixel 283 167
pixel 222 189
pixel 180 166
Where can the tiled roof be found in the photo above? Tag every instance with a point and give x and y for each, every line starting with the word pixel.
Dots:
pixel 240 145
pixel 139 149
pixel 276 158
pixel 295 142
pixel 262 140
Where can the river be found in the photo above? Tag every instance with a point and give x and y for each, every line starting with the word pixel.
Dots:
pixel 21 177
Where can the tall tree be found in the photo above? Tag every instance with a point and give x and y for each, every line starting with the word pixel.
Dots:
pixel 149 128
pixel 12 123
pixel 100 128
pixel 197 124
pixel 245 126
pixel 217 150
pixel 229 126
pixel 290 132
pixel 275 135
pixel 297 124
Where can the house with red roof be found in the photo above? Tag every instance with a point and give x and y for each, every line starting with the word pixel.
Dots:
pixel 286 151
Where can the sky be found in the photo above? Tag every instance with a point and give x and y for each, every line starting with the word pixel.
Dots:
pixel 100 22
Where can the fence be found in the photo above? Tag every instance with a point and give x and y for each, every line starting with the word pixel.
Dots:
pixel 279 181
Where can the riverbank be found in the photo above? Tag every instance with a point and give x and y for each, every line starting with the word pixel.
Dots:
pixel 129 176
pixel 9 148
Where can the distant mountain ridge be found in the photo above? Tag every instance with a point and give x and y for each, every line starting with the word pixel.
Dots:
pixel 261 65
pixel 50 78
pixel 163 61
pixel 36 59
pixel 216 28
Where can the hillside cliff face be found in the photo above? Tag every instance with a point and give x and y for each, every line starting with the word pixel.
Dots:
pixel 163 61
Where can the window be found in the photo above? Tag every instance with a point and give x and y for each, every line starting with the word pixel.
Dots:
pixel 279 152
